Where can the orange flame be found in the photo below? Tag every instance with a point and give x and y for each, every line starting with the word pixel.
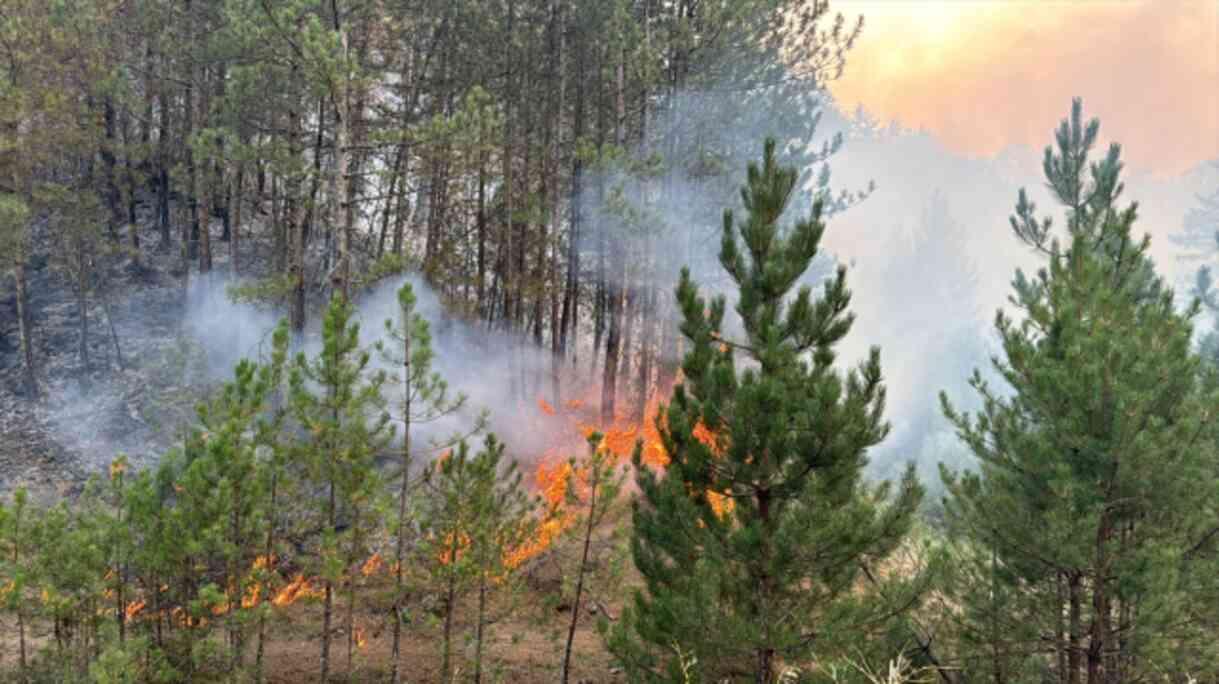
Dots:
pixel 618 439
pixel 452 550
pixel 184 619
pixel 133 609
pixel 252 595
pixel 372 566
pixel 298 588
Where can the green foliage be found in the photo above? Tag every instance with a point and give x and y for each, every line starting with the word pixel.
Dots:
pixel 424 398
pixel 273 288
pixel 336 398
pixel 593 485
pixel 475 515
pixel 764 529
pixel 1085 534
pixel 13 238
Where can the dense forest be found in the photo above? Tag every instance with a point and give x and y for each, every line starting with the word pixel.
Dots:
pixel 655 466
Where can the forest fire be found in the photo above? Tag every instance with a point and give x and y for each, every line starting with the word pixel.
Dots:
pixel 374 565
pixel 298 588
pixel 555 469
pixel 620 438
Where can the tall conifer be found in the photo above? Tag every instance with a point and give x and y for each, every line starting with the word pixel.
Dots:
pixel 1086 537
pixel 337 399
pixel 424 398
pixel 752 541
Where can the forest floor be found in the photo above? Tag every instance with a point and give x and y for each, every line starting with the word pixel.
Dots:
pixel 525 639
pixel 525 645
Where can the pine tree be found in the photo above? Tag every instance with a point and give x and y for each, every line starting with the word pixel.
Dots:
pixel 425 398
pixel 14 250
pixel 1085 538
pixel 228 475
pixel 475 512
pixel 593 486
pixel 504 520
pixel 17 534
pixel 753 541
pixel 275 448
pixel 337 399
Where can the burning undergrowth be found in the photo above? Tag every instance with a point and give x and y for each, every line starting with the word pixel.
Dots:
pixel 572 424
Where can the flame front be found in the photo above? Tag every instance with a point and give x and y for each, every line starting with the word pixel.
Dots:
pixel 619 439
pixel 297 589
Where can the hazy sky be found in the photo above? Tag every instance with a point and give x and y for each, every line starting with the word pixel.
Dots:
pixel 982 75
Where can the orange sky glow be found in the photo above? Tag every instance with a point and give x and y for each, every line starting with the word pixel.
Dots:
pixel 982 75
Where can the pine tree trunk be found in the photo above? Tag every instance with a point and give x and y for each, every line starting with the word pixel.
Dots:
pixel 279 230
pixel 996 656
pixel 297 226
pixel 392 200
pixel 1074 659
pixel 629 319
pixel 205 234
pixel 478 632
pixel 513 102
pixel 268 556
pixel 192 233
pixel 315 179
pixel 600 296
pixel 520 278
pixel 352 559
pixel 109 162
pixel 82 307
pixel 764 588
pixel 238 202
pixel 481 226
pixel 222 194
pixel 450 604
pixel 439 171
pixel 403 493
pixel 343 178
pixel 18 535
pixel 114 336
pixel 328 598
pixel 149 91
pixel 559 39
pixel 609 379
pixel 541 270
pixel 1060 628
pixel 22 662
pixel 570 314
pixel 162 160
pixel 400 216
pixel 129 174
pixel 120 600
pixel 647 334
pixel 25 332
pixel 594 480
pixel 1098 642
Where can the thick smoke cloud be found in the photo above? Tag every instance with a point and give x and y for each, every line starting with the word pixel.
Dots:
pixel 933 258
pixel 930 251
